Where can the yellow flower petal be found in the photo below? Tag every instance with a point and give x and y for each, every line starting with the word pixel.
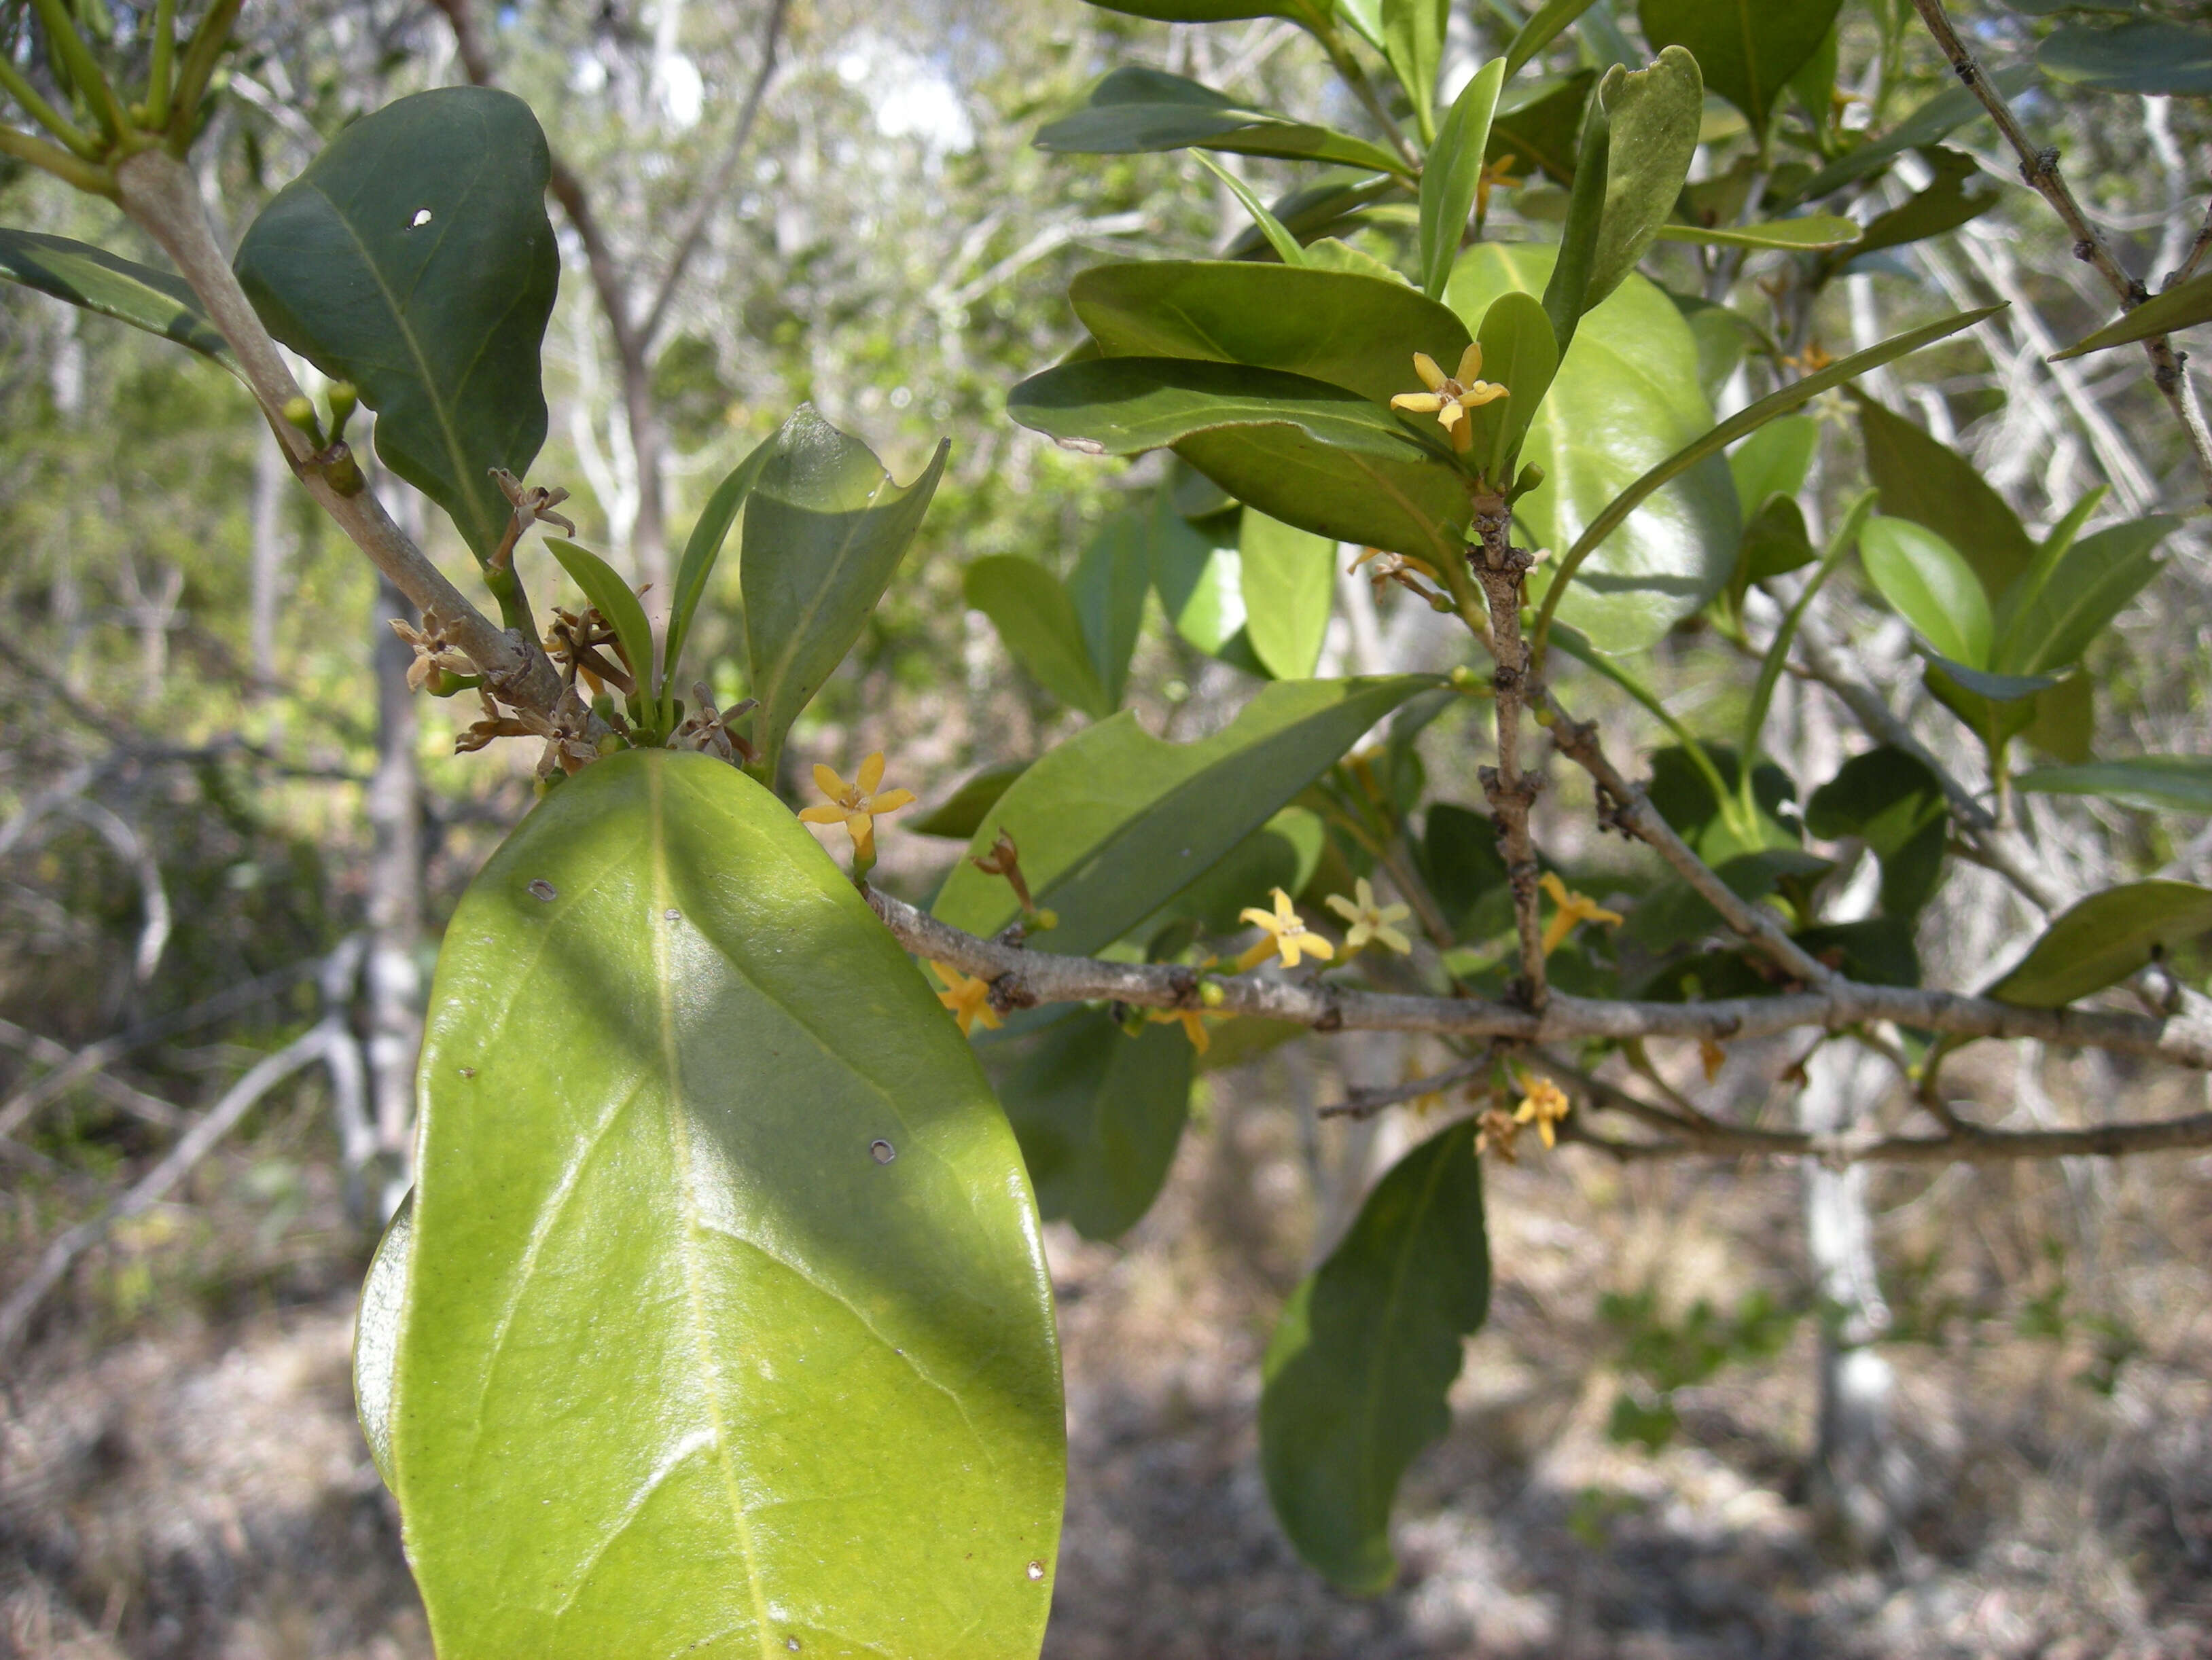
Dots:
pixel 1463 438
pixel 1391 937
pixel 1470 364
pixel 828 813
pixel 1551 884
pixel 1452 415
pixel 1482 392
pixel 1284 914
pixel 1417 403
pixel 1317 945
pixel 892 800
pixel 1425 366
pixel 1343 907
pixel 1257 917
pixel 872 773
pixel 828 783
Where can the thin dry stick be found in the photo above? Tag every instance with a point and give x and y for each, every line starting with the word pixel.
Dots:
pixel 2039 167
pixel 1366 1103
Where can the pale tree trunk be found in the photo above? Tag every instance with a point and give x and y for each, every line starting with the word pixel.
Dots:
pixel 1862 1481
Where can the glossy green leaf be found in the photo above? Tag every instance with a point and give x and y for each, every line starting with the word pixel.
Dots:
pixel 1034 615
pixel 963 810
pixel 1356 332
pixel 1932 484
pixel 414 258
pixel 1454 170
pixel 1313 455
pixel 1135 110
pixel 1544 25
pixel 1890 800
pixel 1748 49
pixel 1287 247
pixel 1108 586
pixel 1938 119
pixel 1099 1114
pixel 1365 1354
pixel 1654 115
pixel 1199 578
pixel 1986 684
pixel 2047 624
pixel 825 527
pixel 2145 56
pixel 1539 126
pixel 724 1267
pixel 1413 46
pixel 1329 254
pixel 1625 395
pixel 702 551
pixel 1518 353
pixel 1928 584
pixel 1815 234
pixel 1113 823
pixel 1958 191
pixel 2182 306
pixel 1465 872
pixel 2178 784
pixel 2106 938
pixel 1313 210
pixel 615 601
pixel 1283 853
pixel 1566 291
pixel 1290 588
pixel 1776 460
pixel 160 302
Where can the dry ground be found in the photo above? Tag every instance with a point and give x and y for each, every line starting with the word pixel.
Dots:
pixel 181 1478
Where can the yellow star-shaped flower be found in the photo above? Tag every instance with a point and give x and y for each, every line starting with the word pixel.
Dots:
pixel 856 805
pixel 1450 396
pixel 1370 921
pixel 1287 935
pixel 967 996
pixel 1574 908
pixel 1543 1104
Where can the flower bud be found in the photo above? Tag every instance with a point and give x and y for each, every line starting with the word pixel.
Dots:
pixel 1211 994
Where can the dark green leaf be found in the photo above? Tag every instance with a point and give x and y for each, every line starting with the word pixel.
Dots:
pixel 1108 586
pixel 2106 938
pixel 1287 247
pixel 1311 454
pixel 1625 395
pixel 615 602
pixel 1465 872
pixel 1654 115
pixel 1098 1115
pixel 1984 683
pixel 2182 306
pixel 1675 911
pixel 1748 49
pixel 2178 784
pixel 1036 620
pixel 1542 28
pixel 414 258
pixel 1314 210
pixel 1539 126
pixel 963 811
pixel 1879 951
pixel 724 1268
pixel 1775 542
pixel 1290 588
pixel 2065 724
pixel 1454 170
pixel 1814 234
pixel 1356 332
pixel 1283 853
pixel 1363 1355
pixel 160 302
pixel 1938 119
pixel 1566 292
pixel 2145 55
pixel 2048 618
pixel 1932 485
pixel 826 528
pixel 1928 584
pixel 1681 794
pixel 1959 192
pixel 1889 800
pixel 701 553
pixel 1134 110
pixel 1114 823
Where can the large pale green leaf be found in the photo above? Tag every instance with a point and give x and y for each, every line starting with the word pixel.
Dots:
pixel 1134 110
pixel 1930 586
pixel 1748 49
pixel 1450 182
pixel 414 258
pixel 2144 55
pixel 825 527
pixel 1356 332
pixel 1932 484
pixel 1098 1114
pixel 2182 306
pixel 2106 938
pixel 2178 784
pixel 1654 115
pixel 724 1268
pixel 1108 586
pixel 1774 460
pixel 160 302
pixel 2047 624
pixel 1289 579
pixel 1200 578
pixel 1114 823
pixel 1626 397
pixel 1363 1355
pixel 1311 454
pixel 1413 44
pixel 1035 618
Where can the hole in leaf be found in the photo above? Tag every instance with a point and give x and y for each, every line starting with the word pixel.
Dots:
pixel 543 889
pixel 421 218
pixel 882 1152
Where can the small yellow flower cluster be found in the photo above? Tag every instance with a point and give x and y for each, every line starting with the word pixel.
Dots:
pixel 1450 396
pixel 856 805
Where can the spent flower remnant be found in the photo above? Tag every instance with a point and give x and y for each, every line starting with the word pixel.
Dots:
pixel 1450 396
pixel 856 805
pixel 1543 1104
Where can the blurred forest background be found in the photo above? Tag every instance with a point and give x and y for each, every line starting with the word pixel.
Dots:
pixel 228 833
